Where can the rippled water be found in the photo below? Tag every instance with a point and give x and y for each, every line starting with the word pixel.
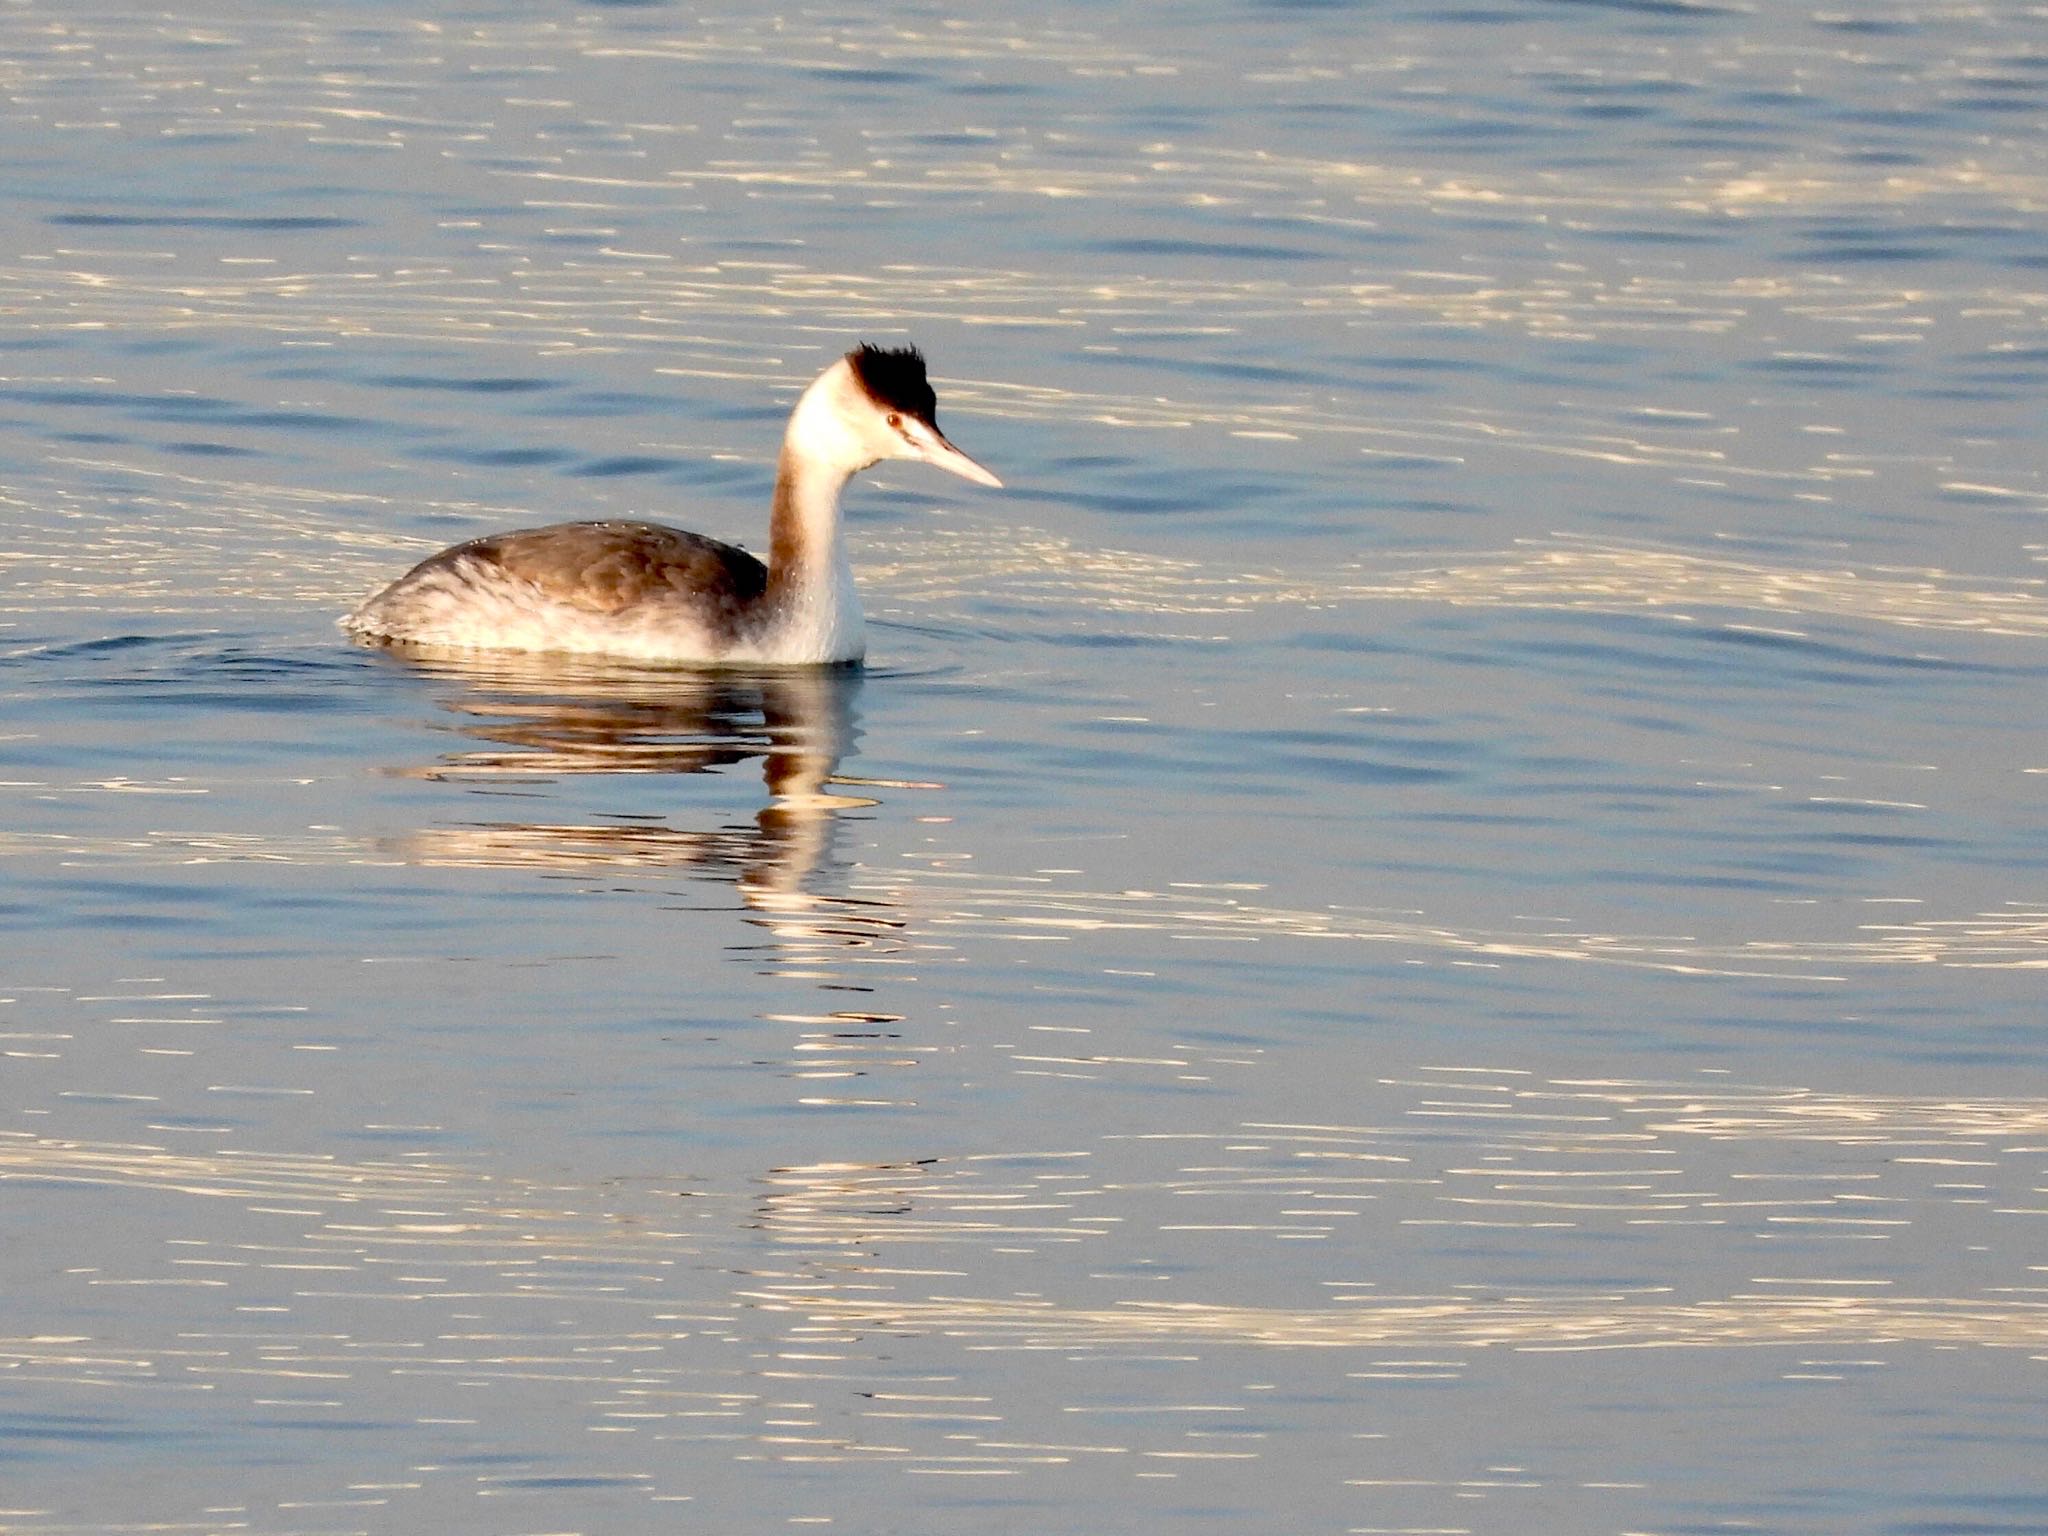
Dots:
pixel 1434 922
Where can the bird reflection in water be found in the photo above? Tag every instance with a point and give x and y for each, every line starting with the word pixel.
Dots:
pixel 536 720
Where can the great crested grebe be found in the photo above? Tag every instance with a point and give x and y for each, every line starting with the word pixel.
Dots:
pixel 653 593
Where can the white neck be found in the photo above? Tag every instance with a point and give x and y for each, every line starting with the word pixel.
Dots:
pixel 810 580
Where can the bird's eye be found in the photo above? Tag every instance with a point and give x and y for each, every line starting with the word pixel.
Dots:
pixel 895 421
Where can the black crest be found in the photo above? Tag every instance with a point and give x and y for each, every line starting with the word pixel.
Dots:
pixel 895 380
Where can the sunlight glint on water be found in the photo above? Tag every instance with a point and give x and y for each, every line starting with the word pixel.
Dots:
pixel 1433 921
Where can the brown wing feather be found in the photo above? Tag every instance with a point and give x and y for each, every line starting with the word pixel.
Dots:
pixel 610 567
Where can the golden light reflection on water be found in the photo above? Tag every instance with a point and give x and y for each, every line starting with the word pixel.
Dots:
pixel 2012 938
pixel 1603 1321
pixel 198 546
pixel 1564 572
pixel 1472 1150
pixel 744 1314
pixel 279 76
pixel 230 1175
pixel 643 300
pixel 774 863
pixel 780 854
pixel 656 1290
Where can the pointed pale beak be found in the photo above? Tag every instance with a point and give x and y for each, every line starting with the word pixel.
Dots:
pixel 934 449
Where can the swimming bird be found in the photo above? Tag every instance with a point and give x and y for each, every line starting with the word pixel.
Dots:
pixel 654 593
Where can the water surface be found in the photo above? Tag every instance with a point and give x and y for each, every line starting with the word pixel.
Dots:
pixel 1433 922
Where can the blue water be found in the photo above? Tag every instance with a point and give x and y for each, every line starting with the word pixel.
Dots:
pixel 1432 921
